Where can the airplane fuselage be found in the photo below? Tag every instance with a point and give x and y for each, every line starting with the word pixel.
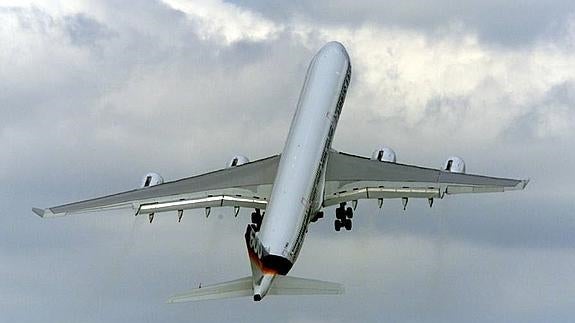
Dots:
pixel 297 194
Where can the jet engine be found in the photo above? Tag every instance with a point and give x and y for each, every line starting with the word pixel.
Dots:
pixel 152 179
pixel 454 164
pixel 384 154
pixel 238 160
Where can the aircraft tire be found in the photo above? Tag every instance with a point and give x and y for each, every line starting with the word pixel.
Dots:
pixel 337 225
pixel 256 218
pixel 348 225
pixel 349 212
pixel 340 213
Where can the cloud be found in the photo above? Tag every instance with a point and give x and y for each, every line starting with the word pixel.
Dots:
pixel 95 94
pixel 453 80
pixel 85 31
pixel 230 22
pixel 497 23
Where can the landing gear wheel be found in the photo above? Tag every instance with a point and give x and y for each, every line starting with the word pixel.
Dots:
pixel 317 216
pixel 340 213
pixel 257 218
pixel 349 213
pixel 348 224
pixel 337 225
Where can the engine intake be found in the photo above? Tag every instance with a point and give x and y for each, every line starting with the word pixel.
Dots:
pixel 152 179
pixel 454 164
pixel 384 154
pixel 238 160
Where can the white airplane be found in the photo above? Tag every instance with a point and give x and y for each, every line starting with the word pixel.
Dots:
pixel 293 188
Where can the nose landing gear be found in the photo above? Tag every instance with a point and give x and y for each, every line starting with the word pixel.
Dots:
pixel 257 218
pixel 316 217
pixel 343 217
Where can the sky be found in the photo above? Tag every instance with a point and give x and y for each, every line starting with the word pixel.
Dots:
pixel 95 94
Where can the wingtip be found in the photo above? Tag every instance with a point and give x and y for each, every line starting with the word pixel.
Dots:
pixel 524 183
pixel 44 213
pixel 38 212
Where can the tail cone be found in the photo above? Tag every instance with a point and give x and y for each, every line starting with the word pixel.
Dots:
pixel 262 286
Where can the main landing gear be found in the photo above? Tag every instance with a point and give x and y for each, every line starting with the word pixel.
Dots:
pixel 343 217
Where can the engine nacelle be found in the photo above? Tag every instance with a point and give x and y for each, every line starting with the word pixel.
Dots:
pixel 152 179
pixel 238 160
pixel 384 154
pixel 454 164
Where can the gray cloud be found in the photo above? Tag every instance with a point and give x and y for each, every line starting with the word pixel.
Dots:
pixel 94 97
pixel 85 31
pixel 496 22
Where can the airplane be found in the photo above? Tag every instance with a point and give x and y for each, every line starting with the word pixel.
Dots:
pixel 288 191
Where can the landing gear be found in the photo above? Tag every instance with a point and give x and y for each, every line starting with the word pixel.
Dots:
pixel 343 217
pixel 317 216
pixel 349 212
pixel 348 225
pixel 257 218
pixel 345 223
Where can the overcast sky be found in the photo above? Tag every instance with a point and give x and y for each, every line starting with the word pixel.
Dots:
pixel 94 94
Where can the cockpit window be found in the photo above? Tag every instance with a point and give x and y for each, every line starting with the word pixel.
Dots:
pixel 380 155
pixel 148 180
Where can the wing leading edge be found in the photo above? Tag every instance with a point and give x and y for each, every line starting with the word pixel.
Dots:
pixel 350 178
pixel 248 185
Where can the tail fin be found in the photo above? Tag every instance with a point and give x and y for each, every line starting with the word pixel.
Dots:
pixel 282 285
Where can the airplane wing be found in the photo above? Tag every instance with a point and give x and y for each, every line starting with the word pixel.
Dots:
pixel 350 178
pixel 247 185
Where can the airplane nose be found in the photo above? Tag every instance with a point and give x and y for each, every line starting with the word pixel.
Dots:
pixel 334 48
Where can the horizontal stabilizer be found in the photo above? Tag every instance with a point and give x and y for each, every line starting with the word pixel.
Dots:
pixel 287 285
pixel 235 288
pixel 282 285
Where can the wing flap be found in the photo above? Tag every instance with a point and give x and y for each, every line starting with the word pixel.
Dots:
pixel 203 202
pixel 379 193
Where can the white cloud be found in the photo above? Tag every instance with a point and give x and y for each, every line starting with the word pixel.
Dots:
pixel 224 21
pixel 555 121
pixel 451 80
